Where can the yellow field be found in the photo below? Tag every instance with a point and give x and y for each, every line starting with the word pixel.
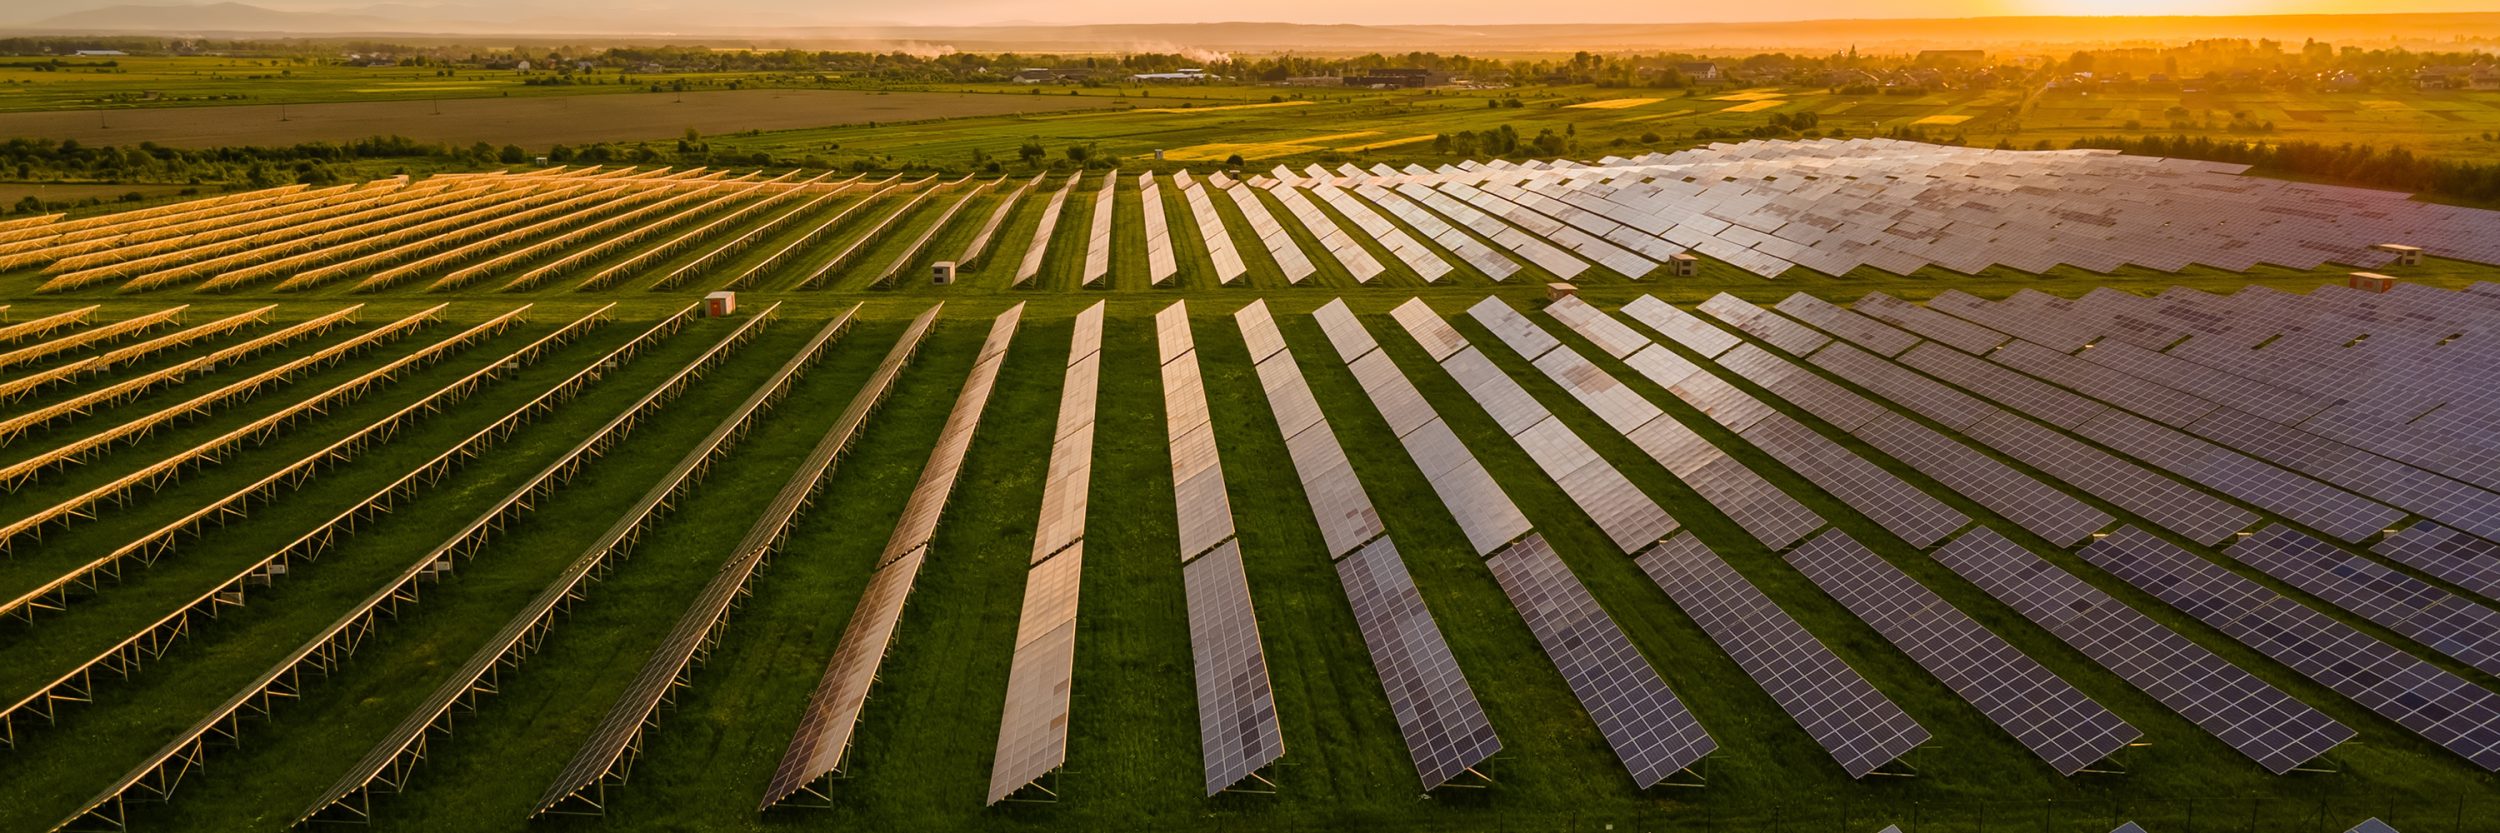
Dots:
pixel 1614 104
pixel 1941 120
pixel 1384 144
pixel 1259 106
pixel 1271 150
pixel 1755 106
pixel 1757 94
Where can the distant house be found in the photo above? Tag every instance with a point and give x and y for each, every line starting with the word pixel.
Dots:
pixel 1699 70
pixel 1315 81
pixel 100 53
pixel 523 66
pixel 1181 76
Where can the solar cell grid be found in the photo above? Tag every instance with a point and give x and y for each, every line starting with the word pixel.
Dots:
pixel 1610 335
pixel 2167 503
pixel 1779 331
pixel 1237 724
pixel 2022 393
pixel 2450 555
pixel 1870 334
pixel 1651 732
pixel 1680 326
pixel 2260 721
pixel 2445 622
pixel 2432 703
pixel 1765 512
pixel 2157 403
pixel 1445 729
pixel 2029 503
pixel 1930 324
pixel 1863 730
pixel 2283 492
pixel 2061 725
pixel 1897 506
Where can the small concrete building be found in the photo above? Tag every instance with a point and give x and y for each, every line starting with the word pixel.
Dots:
pixel 1684 264
pixel 2405 255
pixel 2370 282
pixel 720 304
pixel 942 273
pixel 1558 290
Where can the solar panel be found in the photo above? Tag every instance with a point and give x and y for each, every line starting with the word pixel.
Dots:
pixel 1649 729
pixel 1445 729
pixel 1720 400
pixel 1680 326
pixel 1483 512
pixel 2058 723
pixel 1904 387
pixel 1787 335
pixel 1862 729
pixel 2448 623
pixel 2260 721
pixel 1033 728
pixel 1610 335
pixel 1875 336
pixel 2433 703
pixel 2043 509
pixel 2452 556
pixel 1237 726
pixel 2167 503
pixel 2050 403
pixel 1765 512
pixel 2372 825
pixel 2323 507
pixel 1897 506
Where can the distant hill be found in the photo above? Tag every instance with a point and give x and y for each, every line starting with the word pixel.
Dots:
pixel 643 24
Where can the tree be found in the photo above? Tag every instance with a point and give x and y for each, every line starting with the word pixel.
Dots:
pixel 513 155
pixel 1032 151
pixel 1079 153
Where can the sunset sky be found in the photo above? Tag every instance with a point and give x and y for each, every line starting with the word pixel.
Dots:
pixel 976 12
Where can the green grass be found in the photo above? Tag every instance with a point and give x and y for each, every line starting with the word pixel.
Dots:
pixel 924 746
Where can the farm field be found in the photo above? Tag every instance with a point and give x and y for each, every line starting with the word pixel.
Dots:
pixel 533 121
pixel 609 264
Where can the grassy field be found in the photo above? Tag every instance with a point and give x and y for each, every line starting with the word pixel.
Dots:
pixel 926 739
pixel 925 742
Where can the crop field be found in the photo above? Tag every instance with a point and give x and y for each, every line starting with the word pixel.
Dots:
pixel 533 121
pixel 442 505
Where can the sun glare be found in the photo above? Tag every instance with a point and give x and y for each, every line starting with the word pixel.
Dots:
pixel 2148 8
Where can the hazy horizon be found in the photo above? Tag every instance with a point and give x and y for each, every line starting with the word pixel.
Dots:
pixel 995 13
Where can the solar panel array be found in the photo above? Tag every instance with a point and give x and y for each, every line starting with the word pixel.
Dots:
pixel 1419 258
pixel 1033 728
pixel 1834 205
pixel 2435 704
pixel 1280 244
pixel 1648 727
pixel 1098 236
pixel 1160 264
pixel 1220 250
pixel 1476 253
pixel 1445 729
pixel 607 753
pixel 822 742
pixel 2278 732
pixel 1238 730
pixel 1861 728
pixel 1650 730
pixel 1031 266
pixel 1343 247
pixel 2058 723
pixel 1620 509
pixel 2444 621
